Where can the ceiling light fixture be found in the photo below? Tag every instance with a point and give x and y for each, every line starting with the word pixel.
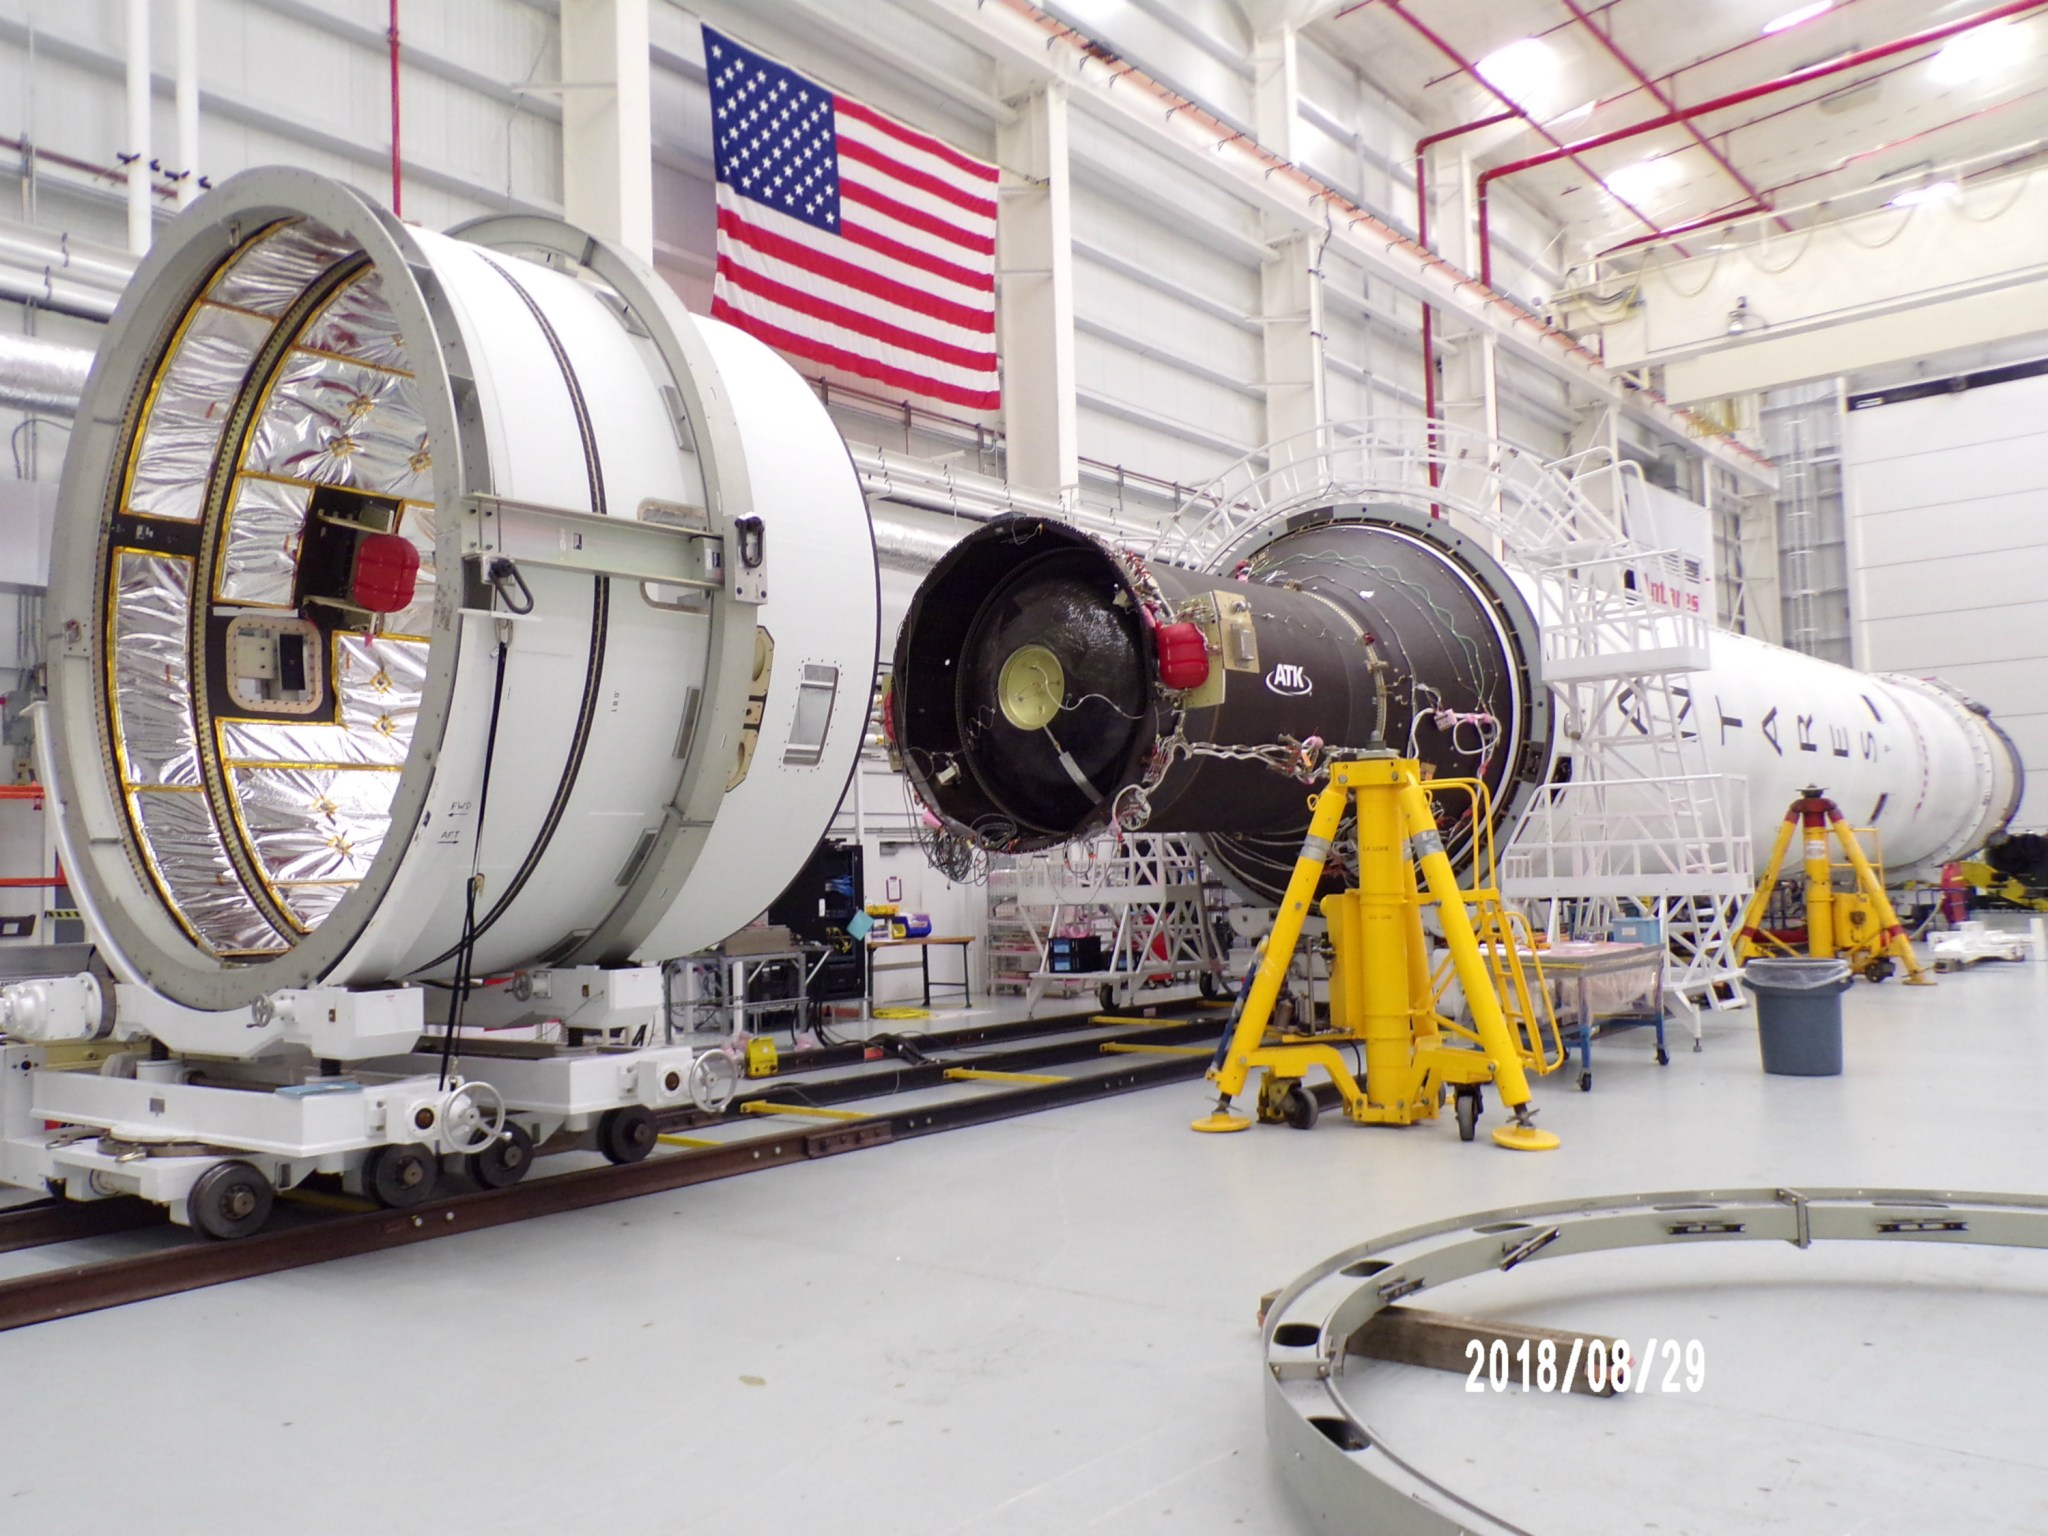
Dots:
pixel 1793 18
pixel 1520 71
pixel 1970 55
pixel 1742 318
pixel 1933 192
pixel 1642 179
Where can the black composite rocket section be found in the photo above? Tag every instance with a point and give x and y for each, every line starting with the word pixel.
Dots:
pixel 1046 684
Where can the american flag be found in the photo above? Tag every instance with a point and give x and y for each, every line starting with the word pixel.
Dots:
pixel 847 239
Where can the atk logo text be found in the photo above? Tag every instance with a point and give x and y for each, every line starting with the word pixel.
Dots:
pixel 1290 679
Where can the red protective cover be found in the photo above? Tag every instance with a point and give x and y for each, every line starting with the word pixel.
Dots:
pixel 386 572
pixel 1183 655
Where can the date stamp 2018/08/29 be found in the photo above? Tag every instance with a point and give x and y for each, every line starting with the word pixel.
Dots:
pixel 1666 1365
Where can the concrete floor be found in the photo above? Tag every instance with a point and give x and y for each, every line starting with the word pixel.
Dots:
pixel 1047 1326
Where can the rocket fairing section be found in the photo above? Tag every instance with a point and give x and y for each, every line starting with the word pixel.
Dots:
pixel 1047 686
pixel 350 504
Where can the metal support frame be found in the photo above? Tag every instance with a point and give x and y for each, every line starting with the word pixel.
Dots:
pixel 1018 33
pixel 1386 995
pixel 1290 314
pixel 85 1109
pixel 1348 1475
pixel 1151 888
pixel 1687 115
pixel 1858 923
pixel 634 550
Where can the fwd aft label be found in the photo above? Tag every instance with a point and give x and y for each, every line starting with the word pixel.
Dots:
pixel 1291 680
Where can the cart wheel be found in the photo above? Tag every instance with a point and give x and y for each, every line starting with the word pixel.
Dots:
pixel 1468 1115
pixel 230 1200
pixel 505 1161
pixel 1106 995
pixel 1880 969
pixel 1302 1108
pixel 399 1176
pixel 626 1134
pixel 1585 1082
pixel 1211 985
pixel 1663 1057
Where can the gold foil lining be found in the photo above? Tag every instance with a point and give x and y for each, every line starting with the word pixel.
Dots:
pixel 319 825
pixel 314 801
pixel 378 681
pixel 358 323
pixel 311 799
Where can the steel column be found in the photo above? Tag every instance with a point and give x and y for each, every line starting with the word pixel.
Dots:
pixel 1035 268
pixel 608 122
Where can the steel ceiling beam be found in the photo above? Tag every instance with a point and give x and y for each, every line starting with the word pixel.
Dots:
pixel 1641 78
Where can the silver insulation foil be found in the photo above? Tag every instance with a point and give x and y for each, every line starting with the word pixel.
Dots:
pixel 314 826
pixel 194 396
pixel 315 799
pixel 269 273
pixel 380 683
pixel 185 847
pixel 312 798
pixel 343 423
pixel 260 560
pixel 358 323
pixel 152 701
pixel 312 902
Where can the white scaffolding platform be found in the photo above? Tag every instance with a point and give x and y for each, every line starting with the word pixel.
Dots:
pixel 1145 896
pixel 1641 829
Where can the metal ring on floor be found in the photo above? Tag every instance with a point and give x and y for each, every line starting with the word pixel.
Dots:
pixel 1345 1473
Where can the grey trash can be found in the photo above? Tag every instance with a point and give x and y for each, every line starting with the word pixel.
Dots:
pixel 1799 1014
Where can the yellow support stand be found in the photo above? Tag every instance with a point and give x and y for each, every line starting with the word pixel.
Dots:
pixel 1857 924
pixel 1384 995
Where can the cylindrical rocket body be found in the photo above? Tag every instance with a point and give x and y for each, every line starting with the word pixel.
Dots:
pixel 1908 757
pixel 1033 702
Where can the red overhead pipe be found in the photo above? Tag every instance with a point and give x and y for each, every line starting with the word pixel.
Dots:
pixel 1798 77
pixel 73 163
pixel 1657 95
pixel 1428 142
pixel 1559 148
pixel 397 180
pixel 1423 146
